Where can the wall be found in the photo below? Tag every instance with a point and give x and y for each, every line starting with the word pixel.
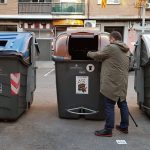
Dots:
pixel 10 8
pixel 126 9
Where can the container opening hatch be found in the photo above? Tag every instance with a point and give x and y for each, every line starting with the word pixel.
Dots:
pixel 79 45
pixel 3 43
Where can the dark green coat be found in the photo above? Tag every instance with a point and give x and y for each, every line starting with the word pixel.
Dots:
pixel 114 71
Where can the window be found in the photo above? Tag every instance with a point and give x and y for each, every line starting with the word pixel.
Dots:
pixel 71 1
pixel 24 0
pixel 8 28
pixel 2 1
pixel 40 1
pixel 120 29
pixel 35 0
pixel 109 1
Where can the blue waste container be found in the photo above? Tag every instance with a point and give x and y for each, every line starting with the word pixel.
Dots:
pixel 17 73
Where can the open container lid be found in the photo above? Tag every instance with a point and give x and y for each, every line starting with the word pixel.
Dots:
pixel 63 46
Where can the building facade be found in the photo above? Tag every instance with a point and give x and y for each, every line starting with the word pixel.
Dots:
pixel 8 8
pixel 48 18
pixel 121 15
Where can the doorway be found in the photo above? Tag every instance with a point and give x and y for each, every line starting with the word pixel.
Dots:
pixel 120 29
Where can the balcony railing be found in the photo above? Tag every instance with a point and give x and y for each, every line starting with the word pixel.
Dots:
pixel 51 8
pixel 68 8
pixel 34 8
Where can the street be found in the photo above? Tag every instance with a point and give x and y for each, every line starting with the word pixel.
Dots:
pixel 40 128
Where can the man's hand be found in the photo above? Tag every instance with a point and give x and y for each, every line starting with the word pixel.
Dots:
pixel 90 54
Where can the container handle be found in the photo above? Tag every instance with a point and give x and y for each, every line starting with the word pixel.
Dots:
pixel 60 58
pixel 57 58
pixel 146 107
pixel 82 111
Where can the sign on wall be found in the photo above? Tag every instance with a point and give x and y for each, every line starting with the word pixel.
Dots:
pixel 109 1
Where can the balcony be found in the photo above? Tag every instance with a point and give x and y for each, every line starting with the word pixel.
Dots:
pixel 51 8
pixel 34 8
pixel 68 8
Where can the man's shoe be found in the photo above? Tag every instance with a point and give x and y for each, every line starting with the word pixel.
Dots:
pixel 104 132
pixel 123 130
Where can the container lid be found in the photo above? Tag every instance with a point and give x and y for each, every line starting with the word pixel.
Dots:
pixel 15 43
pixel 75 30
pixel 146 39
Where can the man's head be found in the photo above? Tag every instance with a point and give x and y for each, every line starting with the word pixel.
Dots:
pixel 115 36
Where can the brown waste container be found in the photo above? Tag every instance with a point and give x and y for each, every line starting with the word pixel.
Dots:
pixel 77 76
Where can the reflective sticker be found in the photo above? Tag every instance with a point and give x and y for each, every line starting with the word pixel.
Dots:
pixel 1 89
pixel 15 83
pixel 90 67
pixel 82 86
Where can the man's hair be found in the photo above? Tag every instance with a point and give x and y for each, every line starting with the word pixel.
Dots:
pixel 116 35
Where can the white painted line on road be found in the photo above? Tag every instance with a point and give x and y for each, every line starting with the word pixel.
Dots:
pixel 45 75
pixel 121 142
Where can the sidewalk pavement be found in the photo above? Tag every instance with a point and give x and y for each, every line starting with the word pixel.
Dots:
pixel 45 64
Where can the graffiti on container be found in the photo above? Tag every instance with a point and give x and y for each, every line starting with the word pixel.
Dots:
pixel 81 84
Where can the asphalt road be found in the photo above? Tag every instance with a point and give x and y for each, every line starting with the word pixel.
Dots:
pixel 40 128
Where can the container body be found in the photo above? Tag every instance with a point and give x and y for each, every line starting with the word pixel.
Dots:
pixel 78 76
pixel 78 89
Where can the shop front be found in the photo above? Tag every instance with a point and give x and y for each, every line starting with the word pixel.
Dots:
pixel 61 26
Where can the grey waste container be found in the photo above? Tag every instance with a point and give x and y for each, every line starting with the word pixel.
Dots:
pixel 142 72
pixel 77 76
pixel 45 46
pixel 17 73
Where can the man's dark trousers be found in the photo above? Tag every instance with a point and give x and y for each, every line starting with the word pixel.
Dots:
pixel 109 106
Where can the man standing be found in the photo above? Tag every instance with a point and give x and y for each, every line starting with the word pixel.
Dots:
pixel 113 82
